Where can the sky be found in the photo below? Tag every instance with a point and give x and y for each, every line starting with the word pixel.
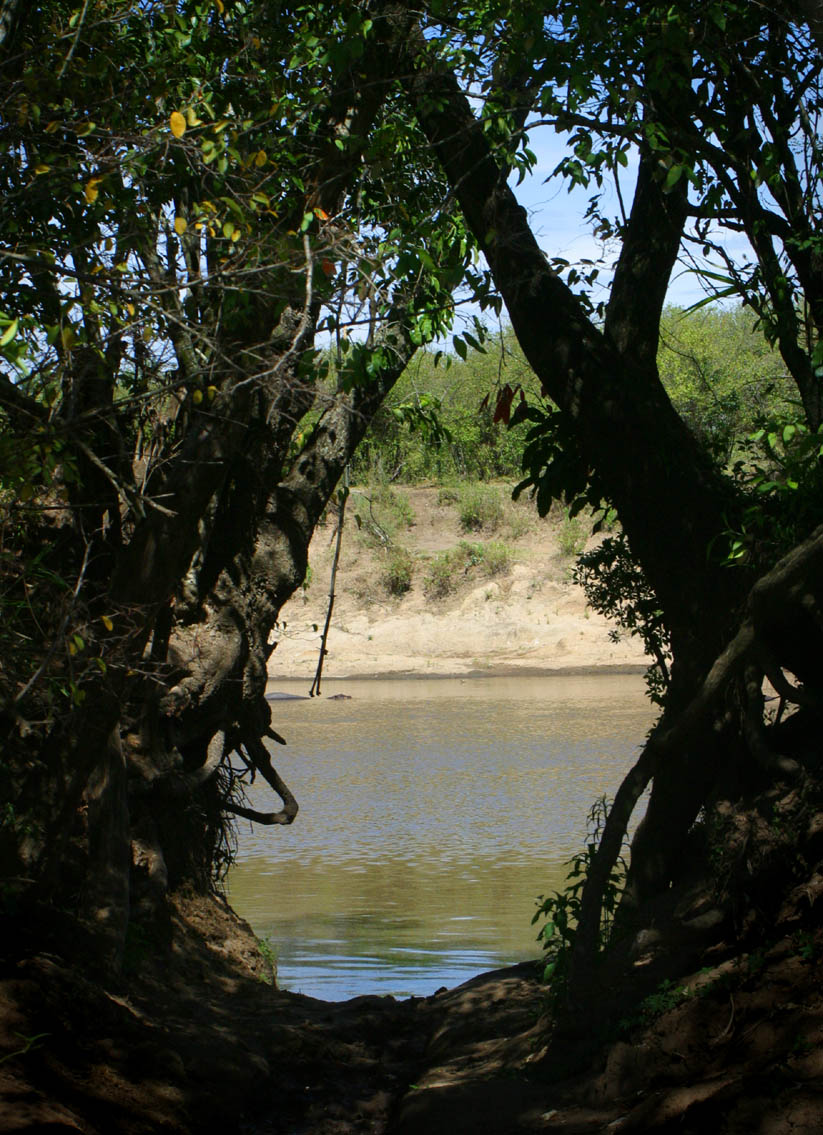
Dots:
pixel 557 217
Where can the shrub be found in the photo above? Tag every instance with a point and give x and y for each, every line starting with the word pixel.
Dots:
pixel 480 508
pixel 448 568
pixel 398 572
pixel 448 494
pixel 439 580
pixel 393 508
pixel 561 910
pixel 519 520
pixel 380 513
pixel 467 555
pixel 572 536
pixel 497 558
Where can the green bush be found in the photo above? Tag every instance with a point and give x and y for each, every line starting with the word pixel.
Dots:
pixel 394 508
pixel 448 494
pixel 497 558
pixel 380 512
pixel 481 508
pixel 439 580
pixel 560 911
pixel 572 536
pixel 448 568
pixel 399 570
pixel 520 519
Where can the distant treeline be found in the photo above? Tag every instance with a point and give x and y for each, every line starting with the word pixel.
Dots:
pixel 720 372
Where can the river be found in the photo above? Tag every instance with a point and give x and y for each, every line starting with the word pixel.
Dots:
pixel 432 814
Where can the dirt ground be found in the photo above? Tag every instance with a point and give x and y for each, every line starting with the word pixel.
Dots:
pixel 527 618
pixel 199 1042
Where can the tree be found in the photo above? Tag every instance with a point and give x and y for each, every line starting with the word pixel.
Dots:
pixel 719 106
pixel 182 247
pixel 723 377
pixel 192 195
pixel 440 421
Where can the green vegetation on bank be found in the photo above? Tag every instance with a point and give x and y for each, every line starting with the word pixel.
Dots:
pixel 721 373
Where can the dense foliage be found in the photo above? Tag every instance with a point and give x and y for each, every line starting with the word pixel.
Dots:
pixel 192 194
pixel 442 421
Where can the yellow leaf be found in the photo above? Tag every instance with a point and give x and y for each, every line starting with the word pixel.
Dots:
pixel 72 649
pixel 41 168
pixel 51 127
pixel 177 124
pixel 191 117
pixel 180 225
pixel 9 333
pixel 91 190
pixel 197 397
pixel 235 236
pixel 107 623
pixel 131 309
pixel 220 6
pixel 260 158
pixel 211 393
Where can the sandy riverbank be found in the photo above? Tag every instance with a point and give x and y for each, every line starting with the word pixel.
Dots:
pixel 528 619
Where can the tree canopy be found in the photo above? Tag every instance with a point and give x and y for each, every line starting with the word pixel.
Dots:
pixel 191 195
pixel 205 205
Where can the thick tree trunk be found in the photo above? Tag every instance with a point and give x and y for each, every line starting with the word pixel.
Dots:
pixel 106 900
pixel 672 502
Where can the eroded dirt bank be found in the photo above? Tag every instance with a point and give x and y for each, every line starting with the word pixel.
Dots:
pixel 497 600
pixel 199 1042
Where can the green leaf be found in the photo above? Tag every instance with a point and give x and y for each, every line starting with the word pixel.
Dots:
pixel 672 177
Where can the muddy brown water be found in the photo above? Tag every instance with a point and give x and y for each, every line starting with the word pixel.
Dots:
pixel 432 813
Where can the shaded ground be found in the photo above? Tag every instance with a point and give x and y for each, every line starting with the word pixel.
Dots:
pixel 201 1043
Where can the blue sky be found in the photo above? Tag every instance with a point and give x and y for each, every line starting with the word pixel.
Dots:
pixel 557 217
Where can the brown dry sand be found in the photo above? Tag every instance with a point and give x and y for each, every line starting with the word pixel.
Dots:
pixel 531 618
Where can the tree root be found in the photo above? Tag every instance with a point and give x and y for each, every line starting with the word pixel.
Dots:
pixel 256 756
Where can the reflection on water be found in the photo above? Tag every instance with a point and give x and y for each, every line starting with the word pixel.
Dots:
pixel 432 813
